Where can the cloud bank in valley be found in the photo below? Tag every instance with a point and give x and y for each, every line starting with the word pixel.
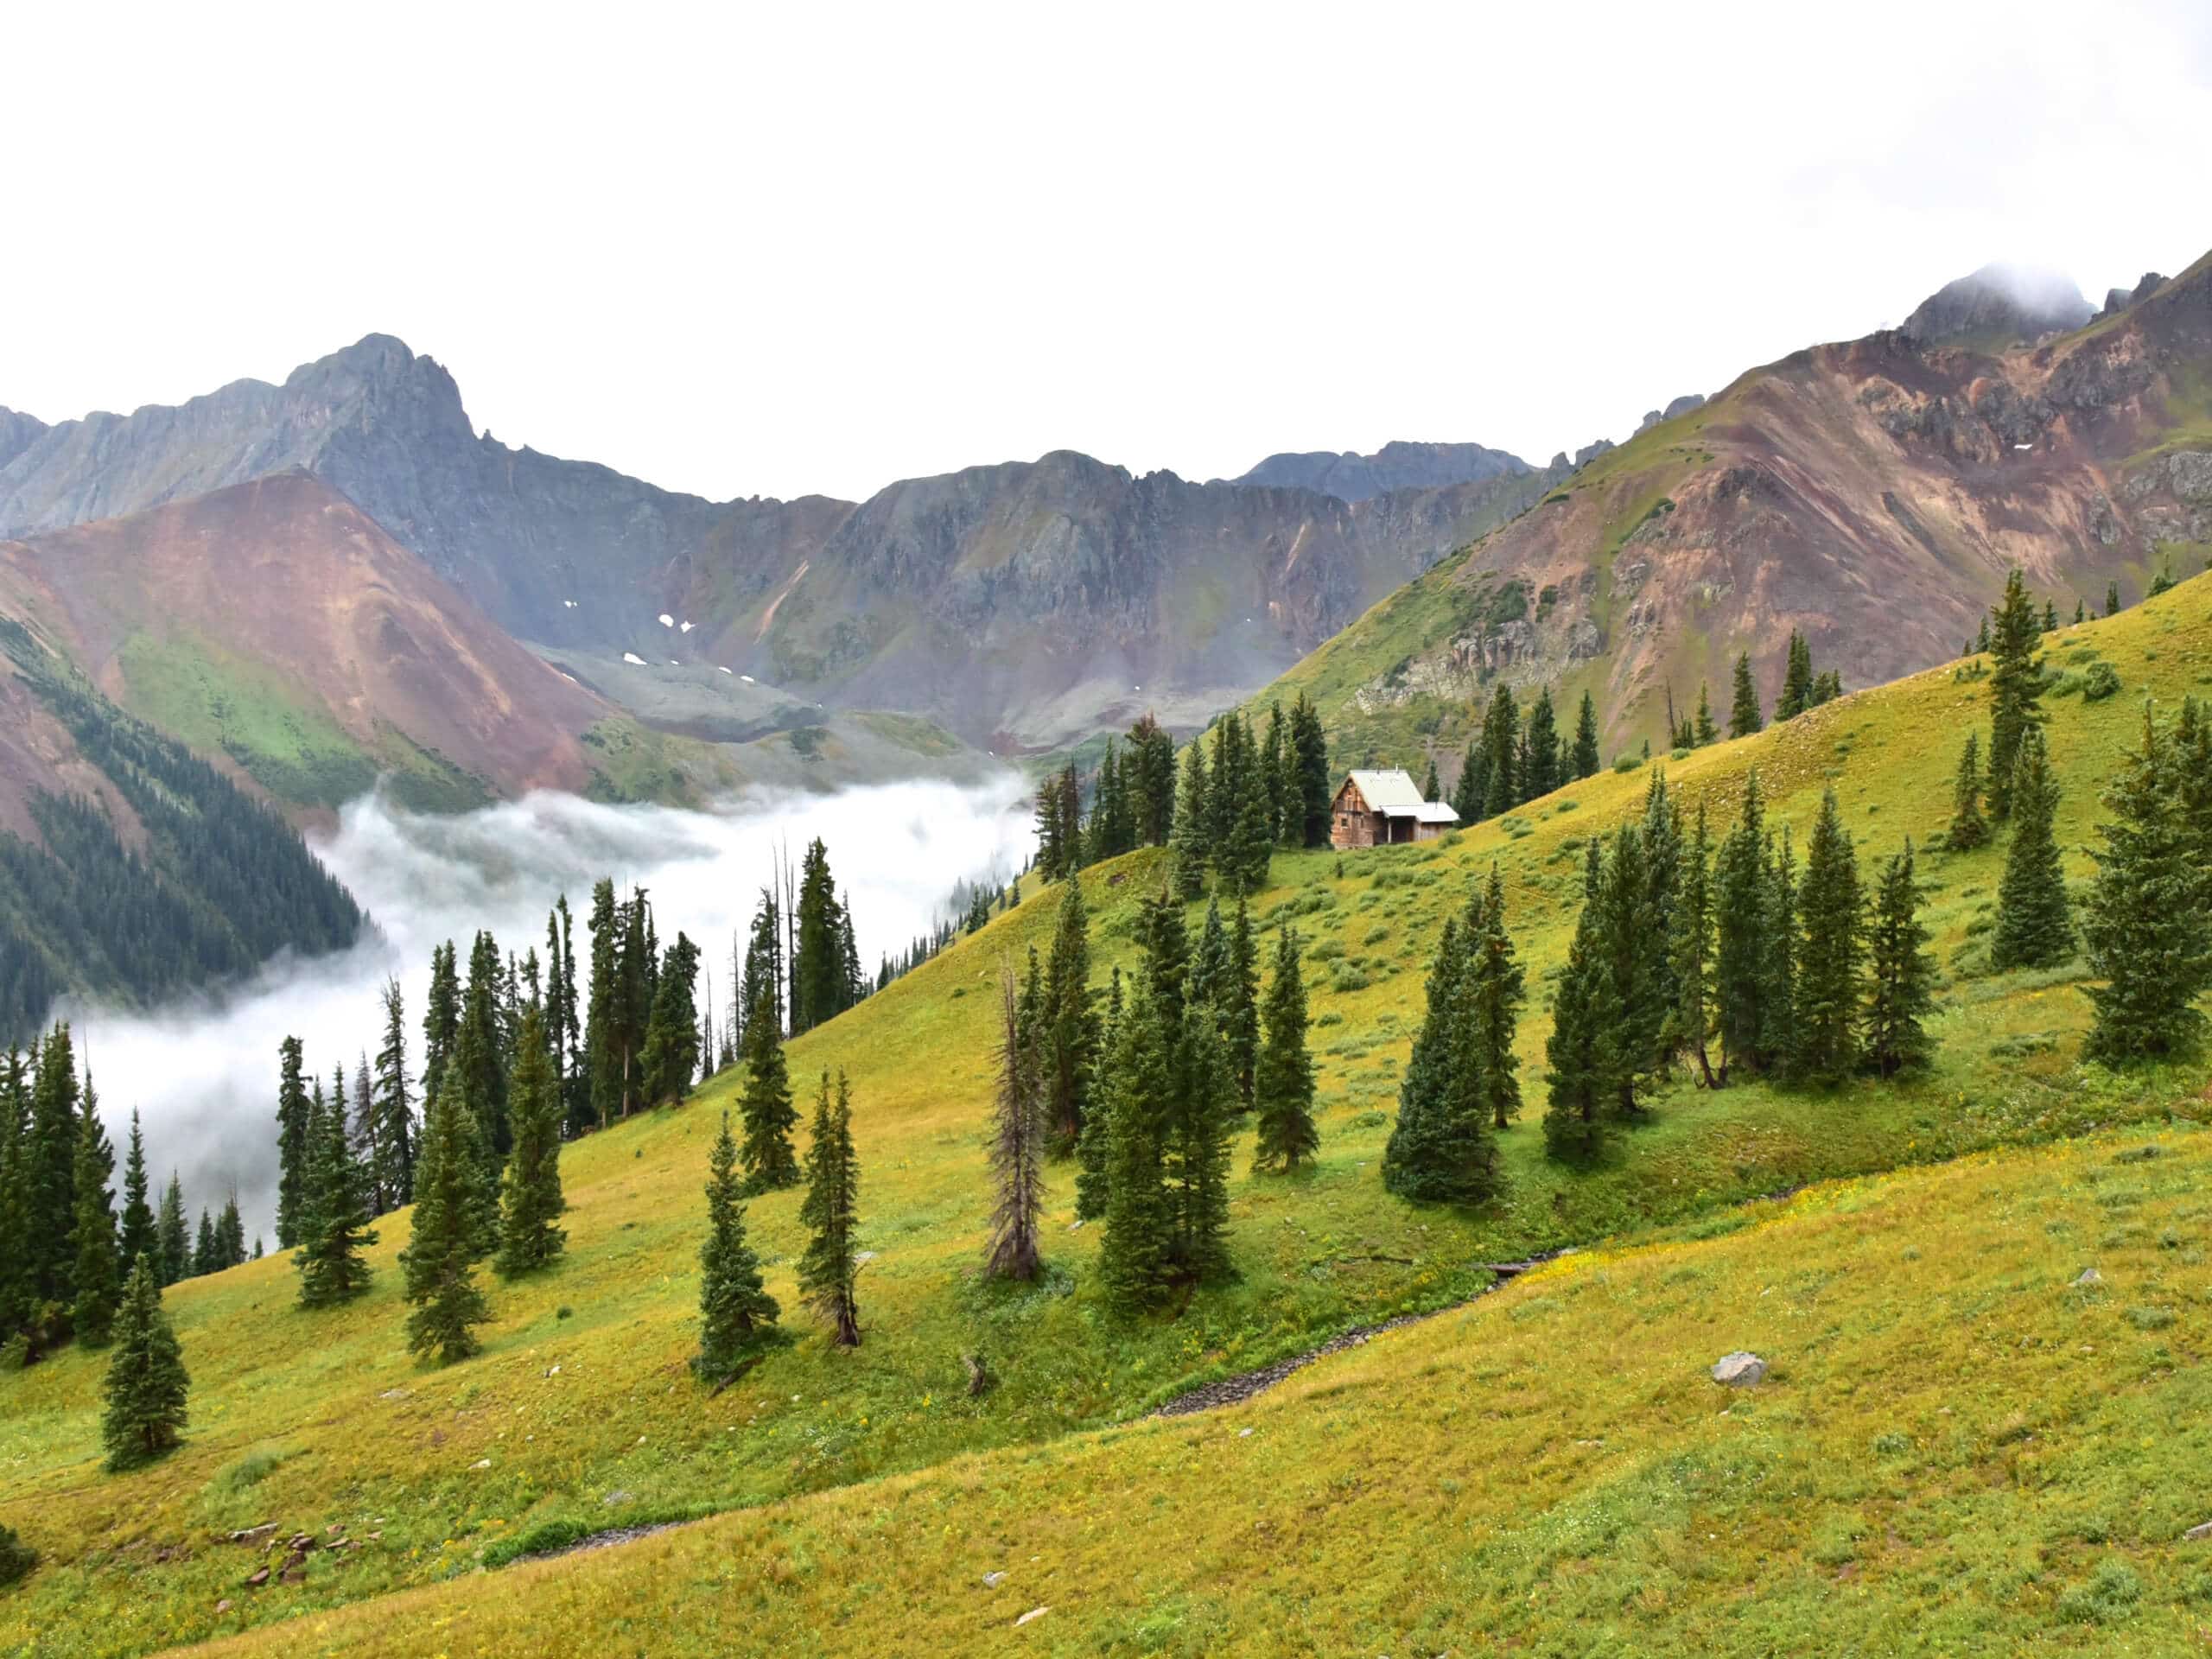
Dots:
pixel 203 1072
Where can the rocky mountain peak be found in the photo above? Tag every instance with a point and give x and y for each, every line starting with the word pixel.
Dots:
pixel 1398 465
pixel 2119 299
pixel 1999 305
pixel 18 432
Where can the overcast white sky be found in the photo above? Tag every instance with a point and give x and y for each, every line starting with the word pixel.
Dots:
pixel 783 253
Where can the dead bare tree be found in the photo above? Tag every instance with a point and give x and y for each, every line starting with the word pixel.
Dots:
pixel 1017 1144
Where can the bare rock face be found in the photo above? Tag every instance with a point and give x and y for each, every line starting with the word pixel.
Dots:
pixel 1395 466
pixel 1997 303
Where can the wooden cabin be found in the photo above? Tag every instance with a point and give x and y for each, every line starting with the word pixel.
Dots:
pixel 1384 809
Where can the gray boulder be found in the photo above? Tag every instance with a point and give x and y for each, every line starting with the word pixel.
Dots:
pixel 1739 1370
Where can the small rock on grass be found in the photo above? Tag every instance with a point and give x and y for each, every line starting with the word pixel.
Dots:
pixel 1740 1369
pixel 991 1580
pixel 2201 1531
pixel 2090 1280
pixel 1034 1612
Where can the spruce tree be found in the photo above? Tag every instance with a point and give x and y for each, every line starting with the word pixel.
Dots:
pixel 1432 787
pixel 1130 1197
pixel 827 1272
pixel 1830 954
pixel 207 1254
pixel 1282 1082
pixel 15 1198
pixel 2033 927
pixel 2081 613
pixel 393 1175
pixel 2015 687
pixel 1440 1150
pixel 147 1383
pixel 1744 715
pixel 175 1259
pixel 1094 1140
pixel 1540 767
pixel 480 1054
pixel 1236 992
pixel 765 1107
pixel 1689 1025
pixel 671 1057
pixel 2148 927
pixel 1796 681
pixel 1901 974
pixel 1778 1033
pixel 1316 789
pixel 2112 599
pixel 1630 934
pixel 442 1012
pixel 96 1275
pixel 1244 859
pixel 1968 829
pixel 531 1203
pixel 1473 785
pixel 1741 923
pixel 603 1009
pixel 735 1310
pixel 1189 840
pixel 1502 749
pixel 1017 1155
pixel 1704 731
pixel 440 1259
pixel 1584 762
pixel 1070 1048
pixel 1494 989
pixel 1581 1053
pixel 136 1235
pixel 292 1147
pixel 333 1222
pixel 2050 616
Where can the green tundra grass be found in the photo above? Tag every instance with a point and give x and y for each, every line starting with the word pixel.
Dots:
pixel 868 1481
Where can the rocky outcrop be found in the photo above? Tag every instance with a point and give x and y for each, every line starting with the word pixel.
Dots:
pixel 2119 299
pixel 1997 304
pixel 17 433
pixel 1395 466
pixel 1682 405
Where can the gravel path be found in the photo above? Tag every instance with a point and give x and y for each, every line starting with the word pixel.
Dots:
pixel 1233 1390
pixel 607 1539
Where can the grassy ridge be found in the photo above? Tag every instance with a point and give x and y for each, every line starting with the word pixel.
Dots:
pixel 1956 1450
pixel 313 1420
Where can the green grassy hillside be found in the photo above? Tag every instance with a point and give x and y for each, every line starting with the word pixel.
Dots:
pixel 1956 1450
pixel 580 1414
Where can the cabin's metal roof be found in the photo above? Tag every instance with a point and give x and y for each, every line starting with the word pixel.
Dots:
pixel 1435 812
pixel 1393 793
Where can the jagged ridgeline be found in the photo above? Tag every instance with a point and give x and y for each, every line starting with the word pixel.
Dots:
pixel 172 877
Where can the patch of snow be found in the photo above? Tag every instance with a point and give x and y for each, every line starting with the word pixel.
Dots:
pixel 724 669
pixel 747 679
pixel 667 621
pixel 2024 446
pixel 687 627
pixel 570 603
pixel 672 662
pixel 633 659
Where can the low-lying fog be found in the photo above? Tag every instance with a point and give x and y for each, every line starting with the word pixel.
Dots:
pixel 203 1074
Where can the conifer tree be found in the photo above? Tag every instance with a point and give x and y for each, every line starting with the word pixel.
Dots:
pixel 1128 1194
pixel 441 1013
pixel 1070 1047
pixel 2112 599
pixel 1901 974
pixel 464 1074
pixel 2148 927
pixel 97 1276
pixel 1093 1142
pixel 1778 1035
pixel 440 1259
pixel 671 1057
pixel 49 1177
pixel 1189 840
pixel 1744 715
pixel 1582 1050
pixel 1827 686
pixel 136 1234
pixel 1017 1145
pixel 1282 1084
pixel 765 1108
pixel 292 1147
pixel 1235 992
pixel 531 1203
pixel 1830 956
pixel 147 1383
pixel 1796 680
pixel 1704 731
pixel 1316 789
pixel 14 1215
pixel 1440 1150
pixel 2015 687
pixel 175 1259
pixel 604 1006
pixel 1632 942
pixel 735 1310
pixel 1540 772
pixel 2081 613
pixel 2050 616
pixel 829 1272
pixel 480 1054
pixel 1741 923
pixel 1473 784
pixel 1689 1026
pixel 1432 787
pixel 1968 829
pixel 1502 748
pixel 1586 740
pixel 1052 857
pixel 1495 988
pixel 206 1253
pixel 333 1222
pixel 2033 927
pixel 393 1176
pixel 1981 638
pixel 1244 859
